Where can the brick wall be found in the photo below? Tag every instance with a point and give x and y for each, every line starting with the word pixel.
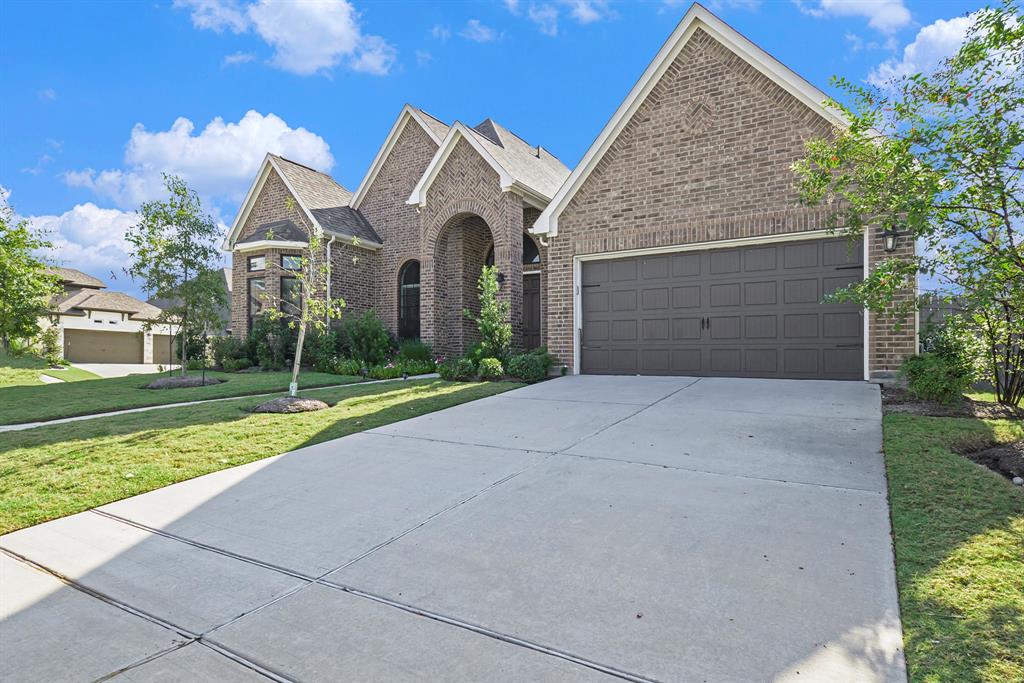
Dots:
pixel 706 157
pixel 891 338
pixel 397 223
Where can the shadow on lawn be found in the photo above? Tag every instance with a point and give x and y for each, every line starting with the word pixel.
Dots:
pixel 959 538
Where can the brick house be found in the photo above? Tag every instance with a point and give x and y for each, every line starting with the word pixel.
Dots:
pixel 676 246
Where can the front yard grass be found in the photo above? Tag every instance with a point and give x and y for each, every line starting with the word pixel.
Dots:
pixel 25 371
pixel 959 540
pixel 48 472
pixel 51 401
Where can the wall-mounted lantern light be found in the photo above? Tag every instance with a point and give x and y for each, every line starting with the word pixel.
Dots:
pixel 501 279
pixel 890 236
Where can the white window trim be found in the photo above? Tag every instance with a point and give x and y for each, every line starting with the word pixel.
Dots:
pixel 269 244
pixel 580 259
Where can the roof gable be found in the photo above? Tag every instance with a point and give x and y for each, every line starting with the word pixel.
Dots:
pixel 696 18
pixel 434 128
pixel 530 171
pixel 72 277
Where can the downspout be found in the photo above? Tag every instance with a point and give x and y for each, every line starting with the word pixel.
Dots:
pixel 330 265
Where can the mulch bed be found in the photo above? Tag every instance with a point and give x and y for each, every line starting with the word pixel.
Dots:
pixel 290 404
pixel 896 400
pixel 182 382
pixel 1007 459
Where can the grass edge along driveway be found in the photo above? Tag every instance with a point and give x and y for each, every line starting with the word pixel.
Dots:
pixel 21 404
pixel 46 473
pixel 958 530
pixel 24 371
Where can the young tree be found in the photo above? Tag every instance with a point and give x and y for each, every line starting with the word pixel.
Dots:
pixel 314 308
pixel 495 329
pixel 938 157
pixel 25 285
pixel 175 255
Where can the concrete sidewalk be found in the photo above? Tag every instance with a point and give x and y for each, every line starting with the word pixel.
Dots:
pixel 586 528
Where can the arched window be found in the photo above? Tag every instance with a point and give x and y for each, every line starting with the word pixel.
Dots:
pixel 489 259
pixel 531 255
pixel 409 301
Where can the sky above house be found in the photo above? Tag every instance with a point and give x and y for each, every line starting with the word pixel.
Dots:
pixel 101 98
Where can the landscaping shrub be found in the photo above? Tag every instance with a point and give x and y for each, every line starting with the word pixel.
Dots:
pixel 495 330
pixel 320 348
pixel 49 346
pixel 225 349
pixel 271 342
pixel 197 363
pixel 934 377
pixel 528 367
pixel 415 350
pixel 347 366
pixel 459 370
pixel 417 367
pixel 545 358
pixel 958 343
pixel 490 369
pixel 235 364
pixel 389 371
pixel 367 339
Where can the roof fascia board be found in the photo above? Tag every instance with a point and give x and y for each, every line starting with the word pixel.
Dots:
pixel 696 17
pixel 408 112
pixel 458 131
pixel 247 204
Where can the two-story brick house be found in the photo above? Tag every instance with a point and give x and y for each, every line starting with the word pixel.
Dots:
pixel 676 246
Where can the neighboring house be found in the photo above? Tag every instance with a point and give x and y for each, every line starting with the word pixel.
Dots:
pixel 98 326
pixel 223 312
pixel 676 246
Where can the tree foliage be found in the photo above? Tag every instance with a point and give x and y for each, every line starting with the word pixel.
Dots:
pixel 495 329
pixel 939 157
pixel 26 286
pixel 174 254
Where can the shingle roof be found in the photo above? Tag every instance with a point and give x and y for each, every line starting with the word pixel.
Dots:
pixel 284 231
pixel 92 299
pixel 439 127
pixel 223 311
pixel 326 200
pixel 316 190
pixel 531 166
pixel 76 278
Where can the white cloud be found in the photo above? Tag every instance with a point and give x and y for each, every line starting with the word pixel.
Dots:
pixel 932 44
pixel 512 6
pixel 441 32
pixel 423 57
pixel 47 94
pixel 90 239
pixel 307 37
pixel 41 163
pixel 883 15
pixel 546 18
pixel 219 162
pixel 587 11
pixel 478 32
pixel 237 58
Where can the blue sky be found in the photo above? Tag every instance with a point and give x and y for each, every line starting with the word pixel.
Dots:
pixel 99 98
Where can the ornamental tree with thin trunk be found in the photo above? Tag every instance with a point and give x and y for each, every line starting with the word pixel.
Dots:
pixel 938 157
pixel 174 254
pixel 26 286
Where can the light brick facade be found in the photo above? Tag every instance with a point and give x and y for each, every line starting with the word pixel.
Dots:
pixel 706 157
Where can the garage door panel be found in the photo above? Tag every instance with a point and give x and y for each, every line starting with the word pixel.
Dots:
pixel 94 346
pixel 752 311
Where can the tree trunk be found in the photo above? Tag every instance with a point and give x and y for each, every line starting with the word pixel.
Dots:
pixel 293 388
pixel 184 349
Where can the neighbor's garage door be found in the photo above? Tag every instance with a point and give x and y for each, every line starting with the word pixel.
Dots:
pixel 164 349
pixel 744 312
pixel 91 346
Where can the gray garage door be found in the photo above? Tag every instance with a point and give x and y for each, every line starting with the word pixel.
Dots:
pixel 744 312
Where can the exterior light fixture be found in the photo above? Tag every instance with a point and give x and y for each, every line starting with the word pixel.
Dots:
pixel 501 279
pixel 890 237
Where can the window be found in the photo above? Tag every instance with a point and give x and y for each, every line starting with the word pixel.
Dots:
pixel 257 289
pixel 257 263
pixel 291 295
pixel 409 301
pixel 531 254
pixel 489 259
pixel 291 262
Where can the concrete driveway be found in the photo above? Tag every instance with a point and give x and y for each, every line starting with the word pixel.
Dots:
pixel 122 369
pixel 582 529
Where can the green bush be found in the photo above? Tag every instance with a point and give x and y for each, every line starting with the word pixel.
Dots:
pixel 492 322
pixel 319 349
pixel 271 342
pixel 958 343
pixel 417 367
pixel 545 358
pixel 389 371
pixel 458 370
pixel 347 366
pixel 225 349
pixel 414 349
pixel 367 339
pixel 236 364
pixel 527 366
pixel 197 363
pixel 490 369
pixel 934 377
pixel 49 346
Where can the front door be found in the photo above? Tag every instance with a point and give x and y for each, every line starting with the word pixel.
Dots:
pixel 531 310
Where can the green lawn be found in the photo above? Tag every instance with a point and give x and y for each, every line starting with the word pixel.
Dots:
pixel 989 396
pixel 51 401
pixel 25 370
pixel 47 473
pixel 959 535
